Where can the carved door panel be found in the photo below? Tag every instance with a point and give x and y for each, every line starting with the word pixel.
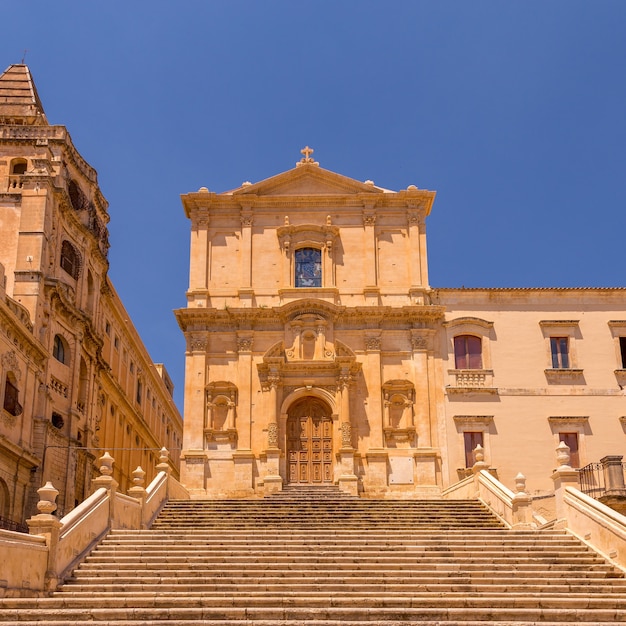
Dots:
pixel 309 443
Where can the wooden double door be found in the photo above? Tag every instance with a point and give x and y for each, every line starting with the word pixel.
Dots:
pixel 310 442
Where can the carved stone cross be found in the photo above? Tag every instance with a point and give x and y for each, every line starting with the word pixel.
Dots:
pixel 307 154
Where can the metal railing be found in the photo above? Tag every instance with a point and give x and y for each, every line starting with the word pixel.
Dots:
pixel 593 481
pixel 8 524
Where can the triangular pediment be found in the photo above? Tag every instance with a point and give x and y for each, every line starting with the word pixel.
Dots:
pixel 308 179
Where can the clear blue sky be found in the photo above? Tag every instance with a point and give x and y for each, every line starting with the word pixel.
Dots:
pixel 514 112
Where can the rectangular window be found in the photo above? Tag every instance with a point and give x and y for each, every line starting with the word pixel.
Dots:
pixel 11 394
pixel 622 351
pixel 116 343
pixel 471 439
pixel 308 267
pixel 571 440
pixel 468 352
pixel 139 391
pixel 107 328
pixel 559 347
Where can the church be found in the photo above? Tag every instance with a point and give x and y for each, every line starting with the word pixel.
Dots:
pixel 319 353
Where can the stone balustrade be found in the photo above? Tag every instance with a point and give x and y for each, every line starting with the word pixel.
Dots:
pixel 35 564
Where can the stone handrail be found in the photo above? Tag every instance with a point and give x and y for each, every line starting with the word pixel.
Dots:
pixel 24 560
pixel 463 490
pixel 81 529
pixel 497 497
pixel 35 564
pixel 513 509
pixel 156 496
pixel 599 526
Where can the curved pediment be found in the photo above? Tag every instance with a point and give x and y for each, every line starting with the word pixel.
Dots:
pixel 310 306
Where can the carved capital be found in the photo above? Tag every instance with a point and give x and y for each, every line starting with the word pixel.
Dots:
pixel 369 219
pixel 273 380
pixel 197 342
pixel 244 344
pixel 372 343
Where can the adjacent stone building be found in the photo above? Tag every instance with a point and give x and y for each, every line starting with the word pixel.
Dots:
pixel 318 352
pixel 75 376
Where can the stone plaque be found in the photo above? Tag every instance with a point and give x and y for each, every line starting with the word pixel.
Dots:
pixel 401 470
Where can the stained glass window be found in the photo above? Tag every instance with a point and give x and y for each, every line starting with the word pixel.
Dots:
pixel 308 267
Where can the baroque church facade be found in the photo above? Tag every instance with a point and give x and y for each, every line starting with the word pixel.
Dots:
pixel 318 353
pixel 75 377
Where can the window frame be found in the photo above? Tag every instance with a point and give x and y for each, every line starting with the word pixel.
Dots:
pixel 560 352
pixel 465 359
pixel 11 395
pixel 320 262
pixel 60 349
pixel 70 264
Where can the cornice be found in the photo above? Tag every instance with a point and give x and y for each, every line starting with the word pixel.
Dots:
pixel 19 333
pixel 205 319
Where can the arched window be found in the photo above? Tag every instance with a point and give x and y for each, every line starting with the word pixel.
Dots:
pixel 57 420
pixel 468 352
pixel 5 500
pixel 18 167
pixel 11 395
pixel 70 259
pixel 308 267
pixel 77 197
pixel 60 350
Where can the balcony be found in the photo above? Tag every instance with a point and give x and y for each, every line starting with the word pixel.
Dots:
pixel 471 381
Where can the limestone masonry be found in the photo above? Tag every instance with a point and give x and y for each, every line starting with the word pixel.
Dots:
pixel 317 351
pixel 75 377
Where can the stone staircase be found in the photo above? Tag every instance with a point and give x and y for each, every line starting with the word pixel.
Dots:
pixel 324 558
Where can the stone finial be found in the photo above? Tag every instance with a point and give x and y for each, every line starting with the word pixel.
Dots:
pixel 520 483
pixel 563 456
pixel 164 460
pixel 106 464
pixel 47 498
pixel 479 454
pixel 139 477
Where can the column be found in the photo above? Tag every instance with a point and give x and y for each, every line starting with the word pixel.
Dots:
pixel 193 458
pixel 273 480
pixel 347 480
pixel 199 265
pixel 371 290
pixel 245 290
pixel 415 270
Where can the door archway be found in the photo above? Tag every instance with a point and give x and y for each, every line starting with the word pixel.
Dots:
pixel 309 442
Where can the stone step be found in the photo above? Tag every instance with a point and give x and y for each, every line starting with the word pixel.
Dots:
pixel 173 585
pixel 115 604
pixel 339 562
pixel 355 570
pixel 558 612
pixel 314 622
